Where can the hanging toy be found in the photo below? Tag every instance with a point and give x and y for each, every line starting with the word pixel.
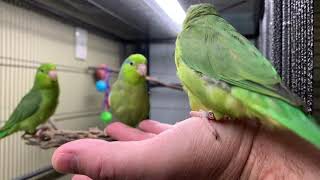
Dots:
pixel 106 117
pixel 101 86
pixel 102 75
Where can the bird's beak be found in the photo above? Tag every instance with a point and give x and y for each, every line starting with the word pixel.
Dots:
pixel 142 69
pixel 53 74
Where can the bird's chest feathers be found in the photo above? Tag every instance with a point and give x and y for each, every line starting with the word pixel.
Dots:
pixel 48 104
pixel 213 94
pixel 132 94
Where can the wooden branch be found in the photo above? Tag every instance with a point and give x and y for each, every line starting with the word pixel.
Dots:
pixel 47 137
pixel 155 82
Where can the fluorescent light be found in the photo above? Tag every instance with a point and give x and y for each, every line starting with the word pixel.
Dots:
pixel 173 10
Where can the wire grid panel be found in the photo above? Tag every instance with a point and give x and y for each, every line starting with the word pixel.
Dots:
pixel 26 40
pixel 316 72
pixel 15 156
pixel 289 43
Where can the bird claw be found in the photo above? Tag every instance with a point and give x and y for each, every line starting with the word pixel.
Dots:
pixel 210 116
pixel 203 115
pixel 39 132
pixel 24 135
pixel 27 135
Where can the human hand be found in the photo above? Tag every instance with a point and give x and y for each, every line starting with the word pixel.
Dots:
pixel 189 150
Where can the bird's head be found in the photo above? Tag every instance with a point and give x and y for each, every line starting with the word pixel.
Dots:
pixel 199 10
pixel 134 68
pixel 46 76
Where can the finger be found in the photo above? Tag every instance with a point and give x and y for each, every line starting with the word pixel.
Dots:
pixel 99 159
pixel 196 113
pixel 154 127
pixel 80 177
pixel 122 132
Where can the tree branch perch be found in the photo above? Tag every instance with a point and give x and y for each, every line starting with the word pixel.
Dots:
pixel 156 83
pixel 47 137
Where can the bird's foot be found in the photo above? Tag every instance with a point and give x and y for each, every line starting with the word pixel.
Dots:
pixel 203 115
pixel 25 135
pixel 209 116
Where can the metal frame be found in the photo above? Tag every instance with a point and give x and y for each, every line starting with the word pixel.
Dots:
pixel 61 16
pixel 36 173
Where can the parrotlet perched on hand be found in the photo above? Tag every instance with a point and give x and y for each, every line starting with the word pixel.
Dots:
pixel 129 98
pixel 37 106
pixel 224 75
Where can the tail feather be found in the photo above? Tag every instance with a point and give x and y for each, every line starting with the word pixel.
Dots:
pixel 3 133
pixel 283 113
pixel 6 131
pixel 295 120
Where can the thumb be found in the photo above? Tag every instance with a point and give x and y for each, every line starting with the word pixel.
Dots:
pixel 99 159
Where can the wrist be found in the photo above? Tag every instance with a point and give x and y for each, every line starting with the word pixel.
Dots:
pixel 281 155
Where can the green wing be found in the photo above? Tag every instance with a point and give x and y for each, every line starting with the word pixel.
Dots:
pixel 29 105
pixel 226 55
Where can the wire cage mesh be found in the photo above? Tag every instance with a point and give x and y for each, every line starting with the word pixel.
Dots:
pixel 287 40
pixel 316 70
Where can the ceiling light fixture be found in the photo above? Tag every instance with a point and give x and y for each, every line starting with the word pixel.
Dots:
pixel 173 9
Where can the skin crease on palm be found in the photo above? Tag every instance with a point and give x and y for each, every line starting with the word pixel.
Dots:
pixel 189 150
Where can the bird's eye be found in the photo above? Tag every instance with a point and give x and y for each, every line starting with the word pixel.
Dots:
pixel 41 70
pixel 131 63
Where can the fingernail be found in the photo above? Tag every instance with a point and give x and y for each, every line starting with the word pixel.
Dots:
pixel 65 162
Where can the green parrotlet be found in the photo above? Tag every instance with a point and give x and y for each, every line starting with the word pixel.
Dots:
pixel 129 98
pixel 37 106
pixel 225 75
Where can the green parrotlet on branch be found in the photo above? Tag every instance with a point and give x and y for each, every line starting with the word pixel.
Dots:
pixel 225 75
pixel 129 98
pixel 37 106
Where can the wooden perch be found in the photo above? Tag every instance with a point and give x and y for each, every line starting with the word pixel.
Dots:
pixel 47 137
pixel 157 83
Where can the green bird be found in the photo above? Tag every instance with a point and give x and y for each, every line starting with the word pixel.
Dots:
pixel 224 75
pixel 129 98
pixel 37 106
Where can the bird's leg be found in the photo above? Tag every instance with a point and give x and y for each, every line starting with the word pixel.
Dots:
pixel 209 116
pixel 27 135
pixel 24 135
